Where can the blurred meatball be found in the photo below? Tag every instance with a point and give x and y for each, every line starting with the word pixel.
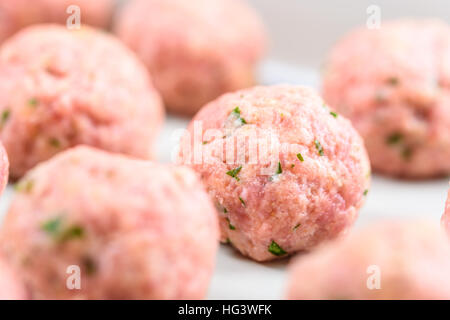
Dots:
pixel 17 14
pixel 389 260
pixel 296 175
pixel 60 88
pixel 196 50
pixel 11 287
pixel 137 230
pixel 394 84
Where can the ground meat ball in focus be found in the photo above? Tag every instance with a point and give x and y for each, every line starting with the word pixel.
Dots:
pixel 11 287
pixel 138 230
pixel 394 84
pixel 446 217
pixel 285 201
pixel 412 260
pixel 196 50
pixel 17 14
pixel 60 88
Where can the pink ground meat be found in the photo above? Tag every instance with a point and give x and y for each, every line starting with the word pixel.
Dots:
pixel 17 14
pixel 286 200
pixel 195 50
pixel 137 230
pixel 394 84
pixel 410 259
pixel 61 88
pixel 11 286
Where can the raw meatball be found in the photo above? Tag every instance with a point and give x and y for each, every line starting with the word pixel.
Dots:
pixel 196 50
pixel 17 14
pixel 11 287
pixel 394 84
pixel 137 230
pixel 60 88
pixel 285 172
pixel 389 260
pixel 446 217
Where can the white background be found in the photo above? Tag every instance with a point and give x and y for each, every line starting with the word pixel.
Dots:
pixel 302 31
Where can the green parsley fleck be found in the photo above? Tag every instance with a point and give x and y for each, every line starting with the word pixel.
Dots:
pixel 393 81
pixel 394 138
pixel 277 173
pixel 25 186
pixel 33 102
pixel 242 201
pixel 90 265
pixel 334 114
pixel 292 165
pixel 279 170
pixel 276 250
pixel 73 232
pixel 225 210
pixel 366 192
pixel 54 142
pixel 54 228
pixel 205 142
pixel 237 113
pixel 5 117
pixel 233 173
pixel 319 147
pixel 230 225
pixel 300 157
pixel 296 226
